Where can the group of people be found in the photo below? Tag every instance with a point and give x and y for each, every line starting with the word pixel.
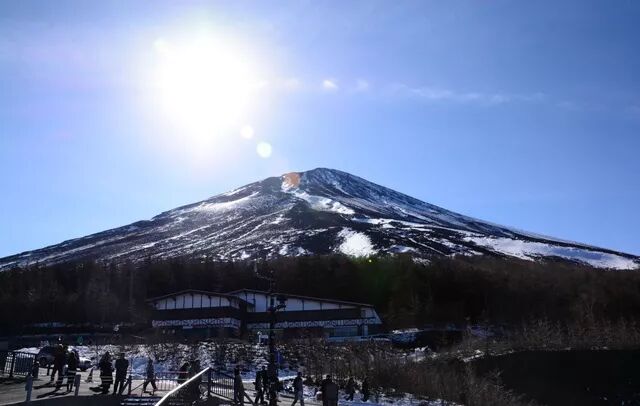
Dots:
pixel 328 388
pixel 261 384
pixel 65 363
pixel 121 367
pixel 330 391
pixel 265 387
pixel 107 367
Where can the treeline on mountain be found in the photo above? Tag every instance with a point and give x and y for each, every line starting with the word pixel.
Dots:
pixel 405 293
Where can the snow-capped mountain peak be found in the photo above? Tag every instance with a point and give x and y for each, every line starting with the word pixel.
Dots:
pixel 320 211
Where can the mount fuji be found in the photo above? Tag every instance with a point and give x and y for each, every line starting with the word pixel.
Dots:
pixel 320 211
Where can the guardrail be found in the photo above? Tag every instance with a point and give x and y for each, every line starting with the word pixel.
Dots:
pixel 221 385
pixel 164 382
pixel 204 385
pixel 15 363
pixel 191 391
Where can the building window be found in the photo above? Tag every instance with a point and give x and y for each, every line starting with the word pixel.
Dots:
pixel 348 331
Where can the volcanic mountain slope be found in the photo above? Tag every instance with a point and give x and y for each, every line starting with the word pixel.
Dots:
pixel 320 211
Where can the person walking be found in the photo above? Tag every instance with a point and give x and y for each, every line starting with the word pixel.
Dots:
pixel 72 366
pixel 194 368
pixel 330 392
pixel 106 372
pixel 122 365
pixel 323 389
pixel 150 377
pixel 260 384
pixel 298 390
pixel 366 390
pixel 350 390
pixel 59 360
pixel 183 373
pixel 238 388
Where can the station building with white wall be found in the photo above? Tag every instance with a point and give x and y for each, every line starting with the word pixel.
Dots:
pixel 210 314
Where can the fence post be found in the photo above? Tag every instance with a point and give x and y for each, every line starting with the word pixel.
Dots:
pixel 35 369
pixel 13 364
pixel 76 383
pixel 209 376
pixel 129 381
pixel 29 387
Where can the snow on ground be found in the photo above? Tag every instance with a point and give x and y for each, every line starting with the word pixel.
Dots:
pixel 249 358
pixel 224 206
pixel 355 243
pixel 323 203
pixel 530 250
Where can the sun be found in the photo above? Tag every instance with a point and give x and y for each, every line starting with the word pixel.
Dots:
pixel 204 85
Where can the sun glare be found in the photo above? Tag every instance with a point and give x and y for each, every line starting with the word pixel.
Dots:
pixel 205 87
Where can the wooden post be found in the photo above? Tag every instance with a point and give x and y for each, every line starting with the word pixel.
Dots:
pixel 13 364
pixel 29 387
pixel 76 383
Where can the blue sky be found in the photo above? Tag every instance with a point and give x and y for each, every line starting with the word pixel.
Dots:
pixel 526 114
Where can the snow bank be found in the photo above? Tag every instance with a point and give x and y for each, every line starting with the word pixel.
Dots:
pixel 530 250
pixel 355 244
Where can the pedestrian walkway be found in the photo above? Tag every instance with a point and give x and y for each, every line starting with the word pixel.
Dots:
pixel 13 391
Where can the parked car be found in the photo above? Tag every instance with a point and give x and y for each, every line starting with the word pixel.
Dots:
pixel 84 364
pixel 46 355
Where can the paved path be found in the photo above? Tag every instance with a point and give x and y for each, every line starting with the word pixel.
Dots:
pixel 13 392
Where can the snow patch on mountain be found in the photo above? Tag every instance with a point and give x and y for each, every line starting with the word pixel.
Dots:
pixel 355 243
pixel 319 203
pixel 224 206
pixel 531 251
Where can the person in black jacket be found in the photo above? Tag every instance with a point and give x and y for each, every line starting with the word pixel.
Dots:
pixel 238 387
pixel 122 365
pixel 72 366
pixel 183 373
pixel 350 390
pixel 366 390
pixel 59 359
pixel 323 389
pixel 330 392
pixel 298 390
pixel 260 384
pixel 150 377
pixel 106 372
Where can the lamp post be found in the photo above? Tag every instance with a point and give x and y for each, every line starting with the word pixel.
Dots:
pixel 273 370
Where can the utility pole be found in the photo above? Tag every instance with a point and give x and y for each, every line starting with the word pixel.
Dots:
pixel 272 370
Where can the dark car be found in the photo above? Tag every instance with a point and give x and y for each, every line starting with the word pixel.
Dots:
pixel 46 355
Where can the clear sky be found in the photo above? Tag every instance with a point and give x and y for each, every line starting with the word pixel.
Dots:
pixel 522 113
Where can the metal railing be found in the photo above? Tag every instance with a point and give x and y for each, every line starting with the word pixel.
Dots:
pixel 204 385
pixel 221 385
pixel 190 392
pixel 16 364
pixel 164 382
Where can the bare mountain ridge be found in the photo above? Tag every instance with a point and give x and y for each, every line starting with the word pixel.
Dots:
pixel 320 211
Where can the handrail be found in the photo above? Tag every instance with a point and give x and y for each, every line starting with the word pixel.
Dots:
pixel 165 399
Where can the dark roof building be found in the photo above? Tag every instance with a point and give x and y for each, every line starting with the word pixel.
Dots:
pixel 248 310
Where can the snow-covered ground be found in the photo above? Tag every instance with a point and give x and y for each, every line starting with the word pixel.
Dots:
pixel 248 358
pixel 531 251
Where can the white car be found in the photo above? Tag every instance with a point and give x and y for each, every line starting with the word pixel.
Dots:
pixel 84 364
